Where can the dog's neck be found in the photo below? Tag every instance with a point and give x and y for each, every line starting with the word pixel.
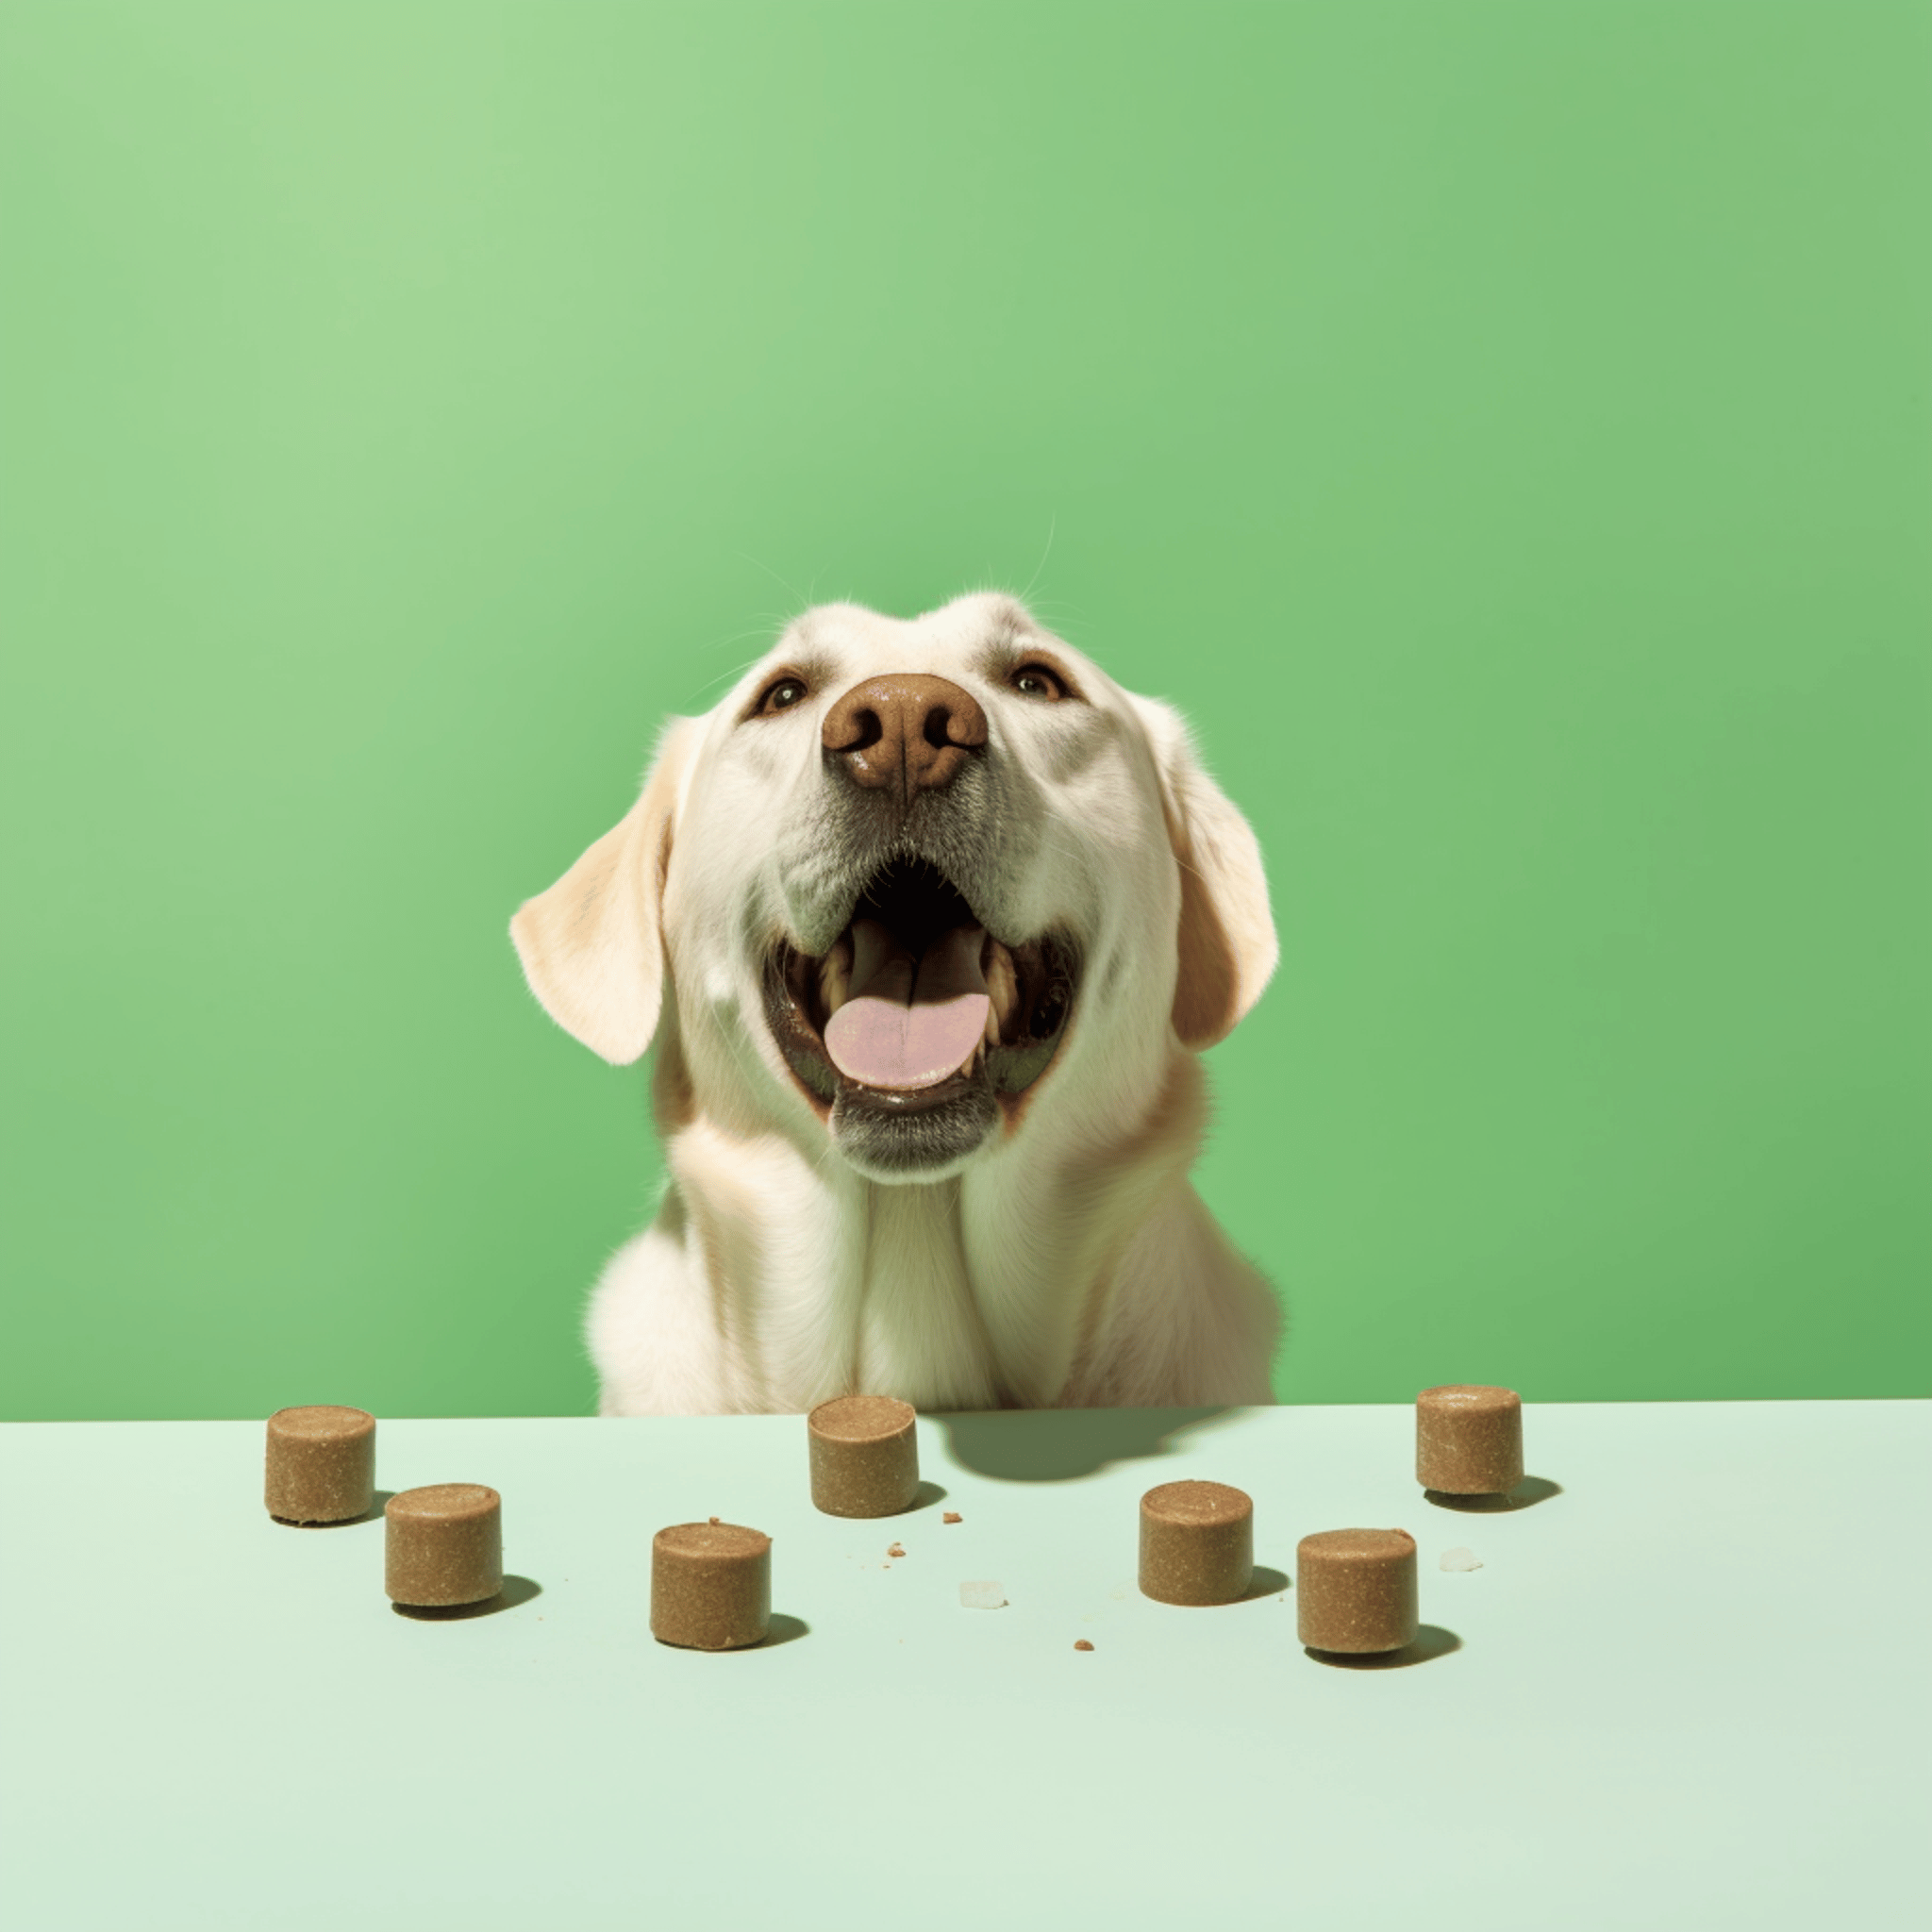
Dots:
pixel 991 1288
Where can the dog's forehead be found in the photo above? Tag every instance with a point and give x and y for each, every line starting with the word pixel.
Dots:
pixel 977 634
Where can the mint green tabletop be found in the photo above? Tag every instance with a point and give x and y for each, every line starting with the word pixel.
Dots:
pixel 1687 1687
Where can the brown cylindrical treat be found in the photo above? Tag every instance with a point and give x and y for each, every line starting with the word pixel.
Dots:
pixel 864 1455
pixel 710 1586
pixel 444 1546
pixel 1197 1543
pixel 321 1464
pixel 1355 1591
pixel 1469 1440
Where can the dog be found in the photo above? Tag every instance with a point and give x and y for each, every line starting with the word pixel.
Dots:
pixel 929 921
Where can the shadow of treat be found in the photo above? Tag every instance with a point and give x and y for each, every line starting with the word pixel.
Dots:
pixel 783 1629
pixel 515 1591
pixel 1267 1583
pixel 1047 1446
pixel 371 1514
pixel 1431 1642
pixel 924 1498
pixel 1530 1491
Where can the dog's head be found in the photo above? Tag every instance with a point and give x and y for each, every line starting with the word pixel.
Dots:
pixel 904 881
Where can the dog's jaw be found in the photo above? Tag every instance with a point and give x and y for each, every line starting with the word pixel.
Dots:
pixel 926 1132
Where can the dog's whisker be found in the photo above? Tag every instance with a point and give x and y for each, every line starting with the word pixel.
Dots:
pixel 784 584
pixel 762 630
pixel 1053 523
pixel 731 677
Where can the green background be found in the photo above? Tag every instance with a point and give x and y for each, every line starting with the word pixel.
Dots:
pixel 1503 428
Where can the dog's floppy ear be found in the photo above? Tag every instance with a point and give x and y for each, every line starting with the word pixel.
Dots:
pixel 593 946
pixel 1227 943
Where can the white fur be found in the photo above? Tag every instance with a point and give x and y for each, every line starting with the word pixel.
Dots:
pixel 1067 1262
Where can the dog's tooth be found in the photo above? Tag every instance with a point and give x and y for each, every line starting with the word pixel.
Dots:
pixel 1003 984
pixel 835 977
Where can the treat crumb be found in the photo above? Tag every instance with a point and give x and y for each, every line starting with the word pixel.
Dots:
pixel 717 1519
pixel 1082 1643
pixel 1459 1559
pixel 982 1596
pixel 951 1516
pixel 896 1549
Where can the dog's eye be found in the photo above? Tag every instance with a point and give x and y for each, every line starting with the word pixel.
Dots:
pixel 1037 681
pixel 783 695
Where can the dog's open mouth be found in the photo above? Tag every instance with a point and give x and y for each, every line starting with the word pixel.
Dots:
pixel 916 1007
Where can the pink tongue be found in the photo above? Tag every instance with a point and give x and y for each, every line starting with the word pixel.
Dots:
pixel 910 1021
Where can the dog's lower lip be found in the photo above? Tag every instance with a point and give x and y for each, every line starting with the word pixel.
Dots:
pixel 910 1100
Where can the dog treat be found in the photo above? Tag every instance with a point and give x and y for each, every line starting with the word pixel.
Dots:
pixel 864 1455
pixel 710 1586
pixel 1468 1440
pixel 1355 1591
pixel 443 1546
pixel 1197 1543
pixel 321 1464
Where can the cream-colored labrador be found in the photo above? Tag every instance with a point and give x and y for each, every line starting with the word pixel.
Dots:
pixel 928 920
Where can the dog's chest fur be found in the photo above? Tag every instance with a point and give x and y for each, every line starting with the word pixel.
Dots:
pixel 821 1282
pixel 771 1280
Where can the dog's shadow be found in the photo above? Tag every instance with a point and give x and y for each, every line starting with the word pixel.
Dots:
pixel 1050 1445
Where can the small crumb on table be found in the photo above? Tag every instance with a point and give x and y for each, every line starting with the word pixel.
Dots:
pixel 896 1549
pixel 1459 1559
pixel 1082 1643
pixel 951 1516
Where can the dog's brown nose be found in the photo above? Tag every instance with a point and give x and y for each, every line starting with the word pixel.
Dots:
pixel 904 733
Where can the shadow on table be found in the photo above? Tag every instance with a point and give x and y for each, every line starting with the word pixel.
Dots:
pixel 1267 1583
pixel 782 1629
pixel 515 1591
pixel 1046 1445
pixel 1530 1491
pixel 1431 1642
